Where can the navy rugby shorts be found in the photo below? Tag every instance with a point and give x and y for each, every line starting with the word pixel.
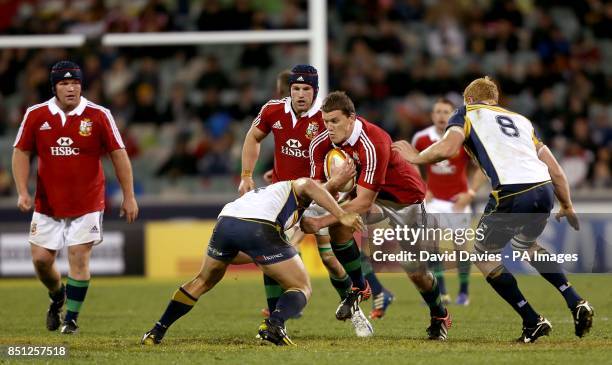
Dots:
pixel 263 241
pixel 515 212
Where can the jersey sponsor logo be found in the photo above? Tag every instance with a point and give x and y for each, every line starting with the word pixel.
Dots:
pixel 277 125
pixel 266 258
pixel 213 251
pixel 312 130
pixel 293 143
pixel 45 126
pixel 85 127
pixel 64 148
pixel 292 148
pixel 443 168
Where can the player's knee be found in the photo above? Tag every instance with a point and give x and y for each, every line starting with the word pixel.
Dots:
pixel 42 263
pixel 306 290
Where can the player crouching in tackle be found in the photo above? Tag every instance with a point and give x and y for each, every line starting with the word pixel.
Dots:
pixel 497 139
pixel 255 224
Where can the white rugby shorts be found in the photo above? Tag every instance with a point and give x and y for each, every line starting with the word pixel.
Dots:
pixel 447 218
pixel 57 233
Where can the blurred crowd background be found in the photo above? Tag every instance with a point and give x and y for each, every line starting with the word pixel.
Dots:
pixel 184 111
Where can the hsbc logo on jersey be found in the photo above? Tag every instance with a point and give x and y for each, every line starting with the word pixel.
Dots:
pixel 443 168
pixel 64 148
pixel 292 148
pixel 293 143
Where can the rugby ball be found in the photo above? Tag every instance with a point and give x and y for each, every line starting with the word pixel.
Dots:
pixel 333 160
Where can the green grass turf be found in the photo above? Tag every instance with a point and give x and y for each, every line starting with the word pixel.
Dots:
pixel 222 326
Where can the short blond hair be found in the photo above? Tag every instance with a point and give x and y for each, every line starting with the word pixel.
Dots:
pixel 481 89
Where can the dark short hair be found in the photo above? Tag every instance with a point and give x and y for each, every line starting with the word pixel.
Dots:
pixel 445 101
pixel 338 100
pixel 283 83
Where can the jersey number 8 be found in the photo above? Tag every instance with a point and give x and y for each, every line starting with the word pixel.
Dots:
pixel 507 126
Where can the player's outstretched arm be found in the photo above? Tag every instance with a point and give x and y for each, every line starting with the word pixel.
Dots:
pixel 21 173
pixel 123 171
pixel 444 149
pixel 250 154
pixel 560 184
pixel 310 189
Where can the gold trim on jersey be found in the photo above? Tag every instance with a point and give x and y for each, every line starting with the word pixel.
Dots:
pixel 279 229
pixel 497 198
pixel 534 138
pixel 467 126
pixel 276 226
pixel 473 107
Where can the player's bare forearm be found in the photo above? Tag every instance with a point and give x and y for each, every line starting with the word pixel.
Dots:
pixel 123 171
pixel 361 204
pixel 477 179
pixel 557 176
pixel 317 193
pixel 250 150
pixel 21 170
pixel 442 150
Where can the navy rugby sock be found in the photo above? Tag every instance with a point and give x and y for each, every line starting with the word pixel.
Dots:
pixel 290 304
pixel 181 304
pixel 504 283
pixel 553 273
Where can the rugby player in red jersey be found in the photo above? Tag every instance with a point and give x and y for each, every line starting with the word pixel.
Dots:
pixel 69 134
pixel 385 180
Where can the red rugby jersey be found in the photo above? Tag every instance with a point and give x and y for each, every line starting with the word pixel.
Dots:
pixel 447 178
pixel 292 136
pixel 70 181
pixel 379 167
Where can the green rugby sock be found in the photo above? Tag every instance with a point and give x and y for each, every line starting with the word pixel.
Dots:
pixel 273 291
pixel 349 256
pixel 76 290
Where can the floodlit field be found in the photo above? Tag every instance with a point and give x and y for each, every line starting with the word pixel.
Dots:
pixel 223 325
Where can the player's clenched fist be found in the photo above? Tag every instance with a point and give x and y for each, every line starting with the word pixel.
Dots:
pixel 352 220
pixel 405 149
pixel 24 202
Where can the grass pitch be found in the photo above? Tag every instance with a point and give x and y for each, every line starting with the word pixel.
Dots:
pixel 222 326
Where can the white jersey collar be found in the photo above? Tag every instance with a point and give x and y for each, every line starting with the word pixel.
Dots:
pixel 357 128
pixel 54 109
pixel 309 113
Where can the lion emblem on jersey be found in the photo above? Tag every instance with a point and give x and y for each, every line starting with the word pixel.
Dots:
pixel 312 130
pixel 85 128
